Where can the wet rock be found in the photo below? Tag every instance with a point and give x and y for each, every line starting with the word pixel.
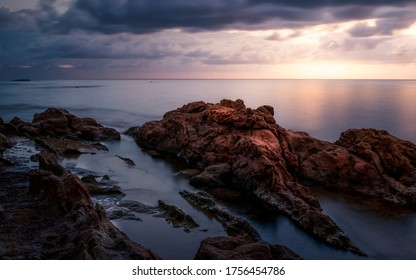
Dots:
pixel 5 143
pixel 100 146
pixel 128 161
pixel 56 219
pixel 117 213
pixel 189 173
pixel 138 207
pixel 177 217
pixel 99 188
pixel 49 162
pixel 234 226
pixel 242 248
pixel 257 150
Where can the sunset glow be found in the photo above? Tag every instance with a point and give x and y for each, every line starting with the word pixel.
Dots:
pixel 265 39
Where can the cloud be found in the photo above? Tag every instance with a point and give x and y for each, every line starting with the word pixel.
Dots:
pixel 149 16
pixel 382 27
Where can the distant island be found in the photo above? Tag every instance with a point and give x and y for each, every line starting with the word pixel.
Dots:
pixel 22 80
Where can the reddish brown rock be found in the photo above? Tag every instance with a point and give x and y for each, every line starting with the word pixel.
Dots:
pixel 59 122
pixel 391 156
pixel 254 146
pixel 241 248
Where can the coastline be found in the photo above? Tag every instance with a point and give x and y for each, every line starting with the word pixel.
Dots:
pixel 229 104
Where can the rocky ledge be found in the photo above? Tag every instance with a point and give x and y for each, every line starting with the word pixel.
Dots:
pixel 245 148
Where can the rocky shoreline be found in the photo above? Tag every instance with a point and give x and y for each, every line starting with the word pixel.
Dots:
pixel 47 213
pixel 246 149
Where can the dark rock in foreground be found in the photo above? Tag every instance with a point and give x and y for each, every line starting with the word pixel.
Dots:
pixel 275 164
pixel 241 248
pixel 54 218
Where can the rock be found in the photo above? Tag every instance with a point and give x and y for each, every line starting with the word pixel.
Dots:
pixel 59 122
pixel 241 248
pixel 128 161
pixel 138 207
pixel 354 166
pixel 234 226
pixel 100 188
pixel 5 143
pixel 176 216
pixel 57 220
pixel 49 162
pixel 189 173
pixel 257 150
pixel 212 176
pixel 10 128
pixel 117 213
pixel 390 155
pixel 1 124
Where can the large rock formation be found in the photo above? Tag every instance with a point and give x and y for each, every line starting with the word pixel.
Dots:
pixel 55 219
pixel 275 164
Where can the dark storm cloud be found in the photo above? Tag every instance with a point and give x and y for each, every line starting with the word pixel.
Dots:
pixel 332 3
pixel 149 16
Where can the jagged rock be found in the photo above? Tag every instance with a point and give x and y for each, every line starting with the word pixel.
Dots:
pixel 391 156
pixel 59 122
pixel 189 173
pixel 119 213
pixel 5 143
pixel 100 188
pixel 49 161
pixel 242 248
pixel 354 165
pixel 138 207
pixel 254 146
pixel 212 176
pixel 234 226
pixel 128 161
pixel 177 217
pixel 56 219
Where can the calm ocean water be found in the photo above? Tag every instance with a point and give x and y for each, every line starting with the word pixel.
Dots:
pixel 323 108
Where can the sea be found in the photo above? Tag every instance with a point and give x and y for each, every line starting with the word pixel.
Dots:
pixel 322 108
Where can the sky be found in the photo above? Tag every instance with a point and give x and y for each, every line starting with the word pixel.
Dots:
pixel 207 39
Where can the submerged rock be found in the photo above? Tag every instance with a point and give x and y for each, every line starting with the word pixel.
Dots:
pixel 138 207
pixel 234 226
pixel 177 217
pixel 100 188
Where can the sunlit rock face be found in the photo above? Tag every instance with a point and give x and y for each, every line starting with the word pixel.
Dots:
pixel 246 148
